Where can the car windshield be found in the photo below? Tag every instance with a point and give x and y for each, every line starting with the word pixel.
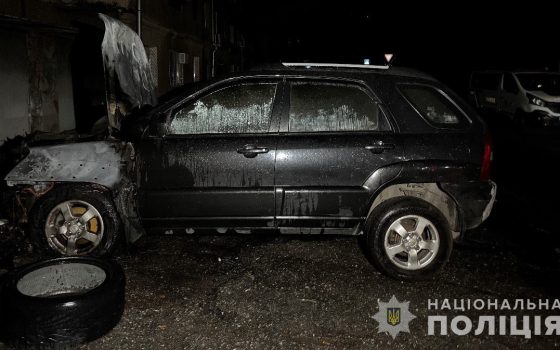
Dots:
pixel 546 82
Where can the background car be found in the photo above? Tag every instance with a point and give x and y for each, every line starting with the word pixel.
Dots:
pixel 525 97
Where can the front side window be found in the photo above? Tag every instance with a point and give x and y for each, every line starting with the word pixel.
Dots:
pixel 510 85
pixel 237 109
pixel 435 107
pixel 323 107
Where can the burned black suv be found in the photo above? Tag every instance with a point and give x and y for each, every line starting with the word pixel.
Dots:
pixel 387 154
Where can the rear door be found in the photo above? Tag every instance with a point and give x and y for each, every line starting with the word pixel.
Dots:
pixel 334 135
pixel 215 166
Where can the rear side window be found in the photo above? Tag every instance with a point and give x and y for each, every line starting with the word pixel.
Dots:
pixel 324 107
pixel 434 106
pixel 244 108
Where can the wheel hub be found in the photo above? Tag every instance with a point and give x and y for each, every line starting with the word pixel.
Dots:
pixel 411 241
pixel 75 229
pixel 72 228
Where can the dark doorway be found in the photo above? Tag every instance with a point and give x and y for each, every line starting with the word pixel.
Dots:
pixel 87 78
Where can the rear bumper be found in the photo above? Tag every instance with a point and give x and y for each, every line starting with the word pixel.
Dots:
pixel 475 201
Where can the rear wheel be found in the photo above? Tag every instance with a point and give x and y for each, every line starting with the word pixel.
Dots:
pixel 75 220
pixel 408 239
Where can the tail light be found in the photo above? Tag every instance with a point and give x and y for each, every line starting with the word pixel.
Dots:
pixel 486 158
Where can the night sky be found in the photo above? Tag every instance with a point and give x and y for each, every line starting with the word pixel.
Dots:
pixel 447 41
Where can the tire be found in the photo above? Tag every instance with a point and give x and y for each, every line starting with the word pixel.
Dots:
pixel 38 311
pixel 80 197
pixel 432 251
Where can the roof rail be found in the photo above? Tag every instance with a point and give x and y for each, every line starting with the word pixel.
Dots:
pixel 332 65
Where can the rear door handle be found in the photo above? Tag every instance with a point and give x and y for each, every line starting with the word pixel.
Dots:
pixel 380 147
pixel 251 151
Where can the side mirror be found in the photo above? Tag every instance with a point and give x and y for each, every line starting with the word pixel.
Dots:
pixel 158 125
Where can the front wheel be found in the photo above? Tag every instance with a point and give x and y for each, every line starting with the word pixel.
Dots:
pixel 408 239
pixel 74 220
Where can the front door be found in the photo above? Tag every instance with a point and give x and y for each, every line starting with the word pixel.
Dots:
pixel 215 166
pixel 334 136
pixel 510 92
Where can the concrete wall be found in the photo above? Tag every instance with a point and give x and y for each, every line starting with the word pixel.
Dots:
pixel 14 85
pixel 35 83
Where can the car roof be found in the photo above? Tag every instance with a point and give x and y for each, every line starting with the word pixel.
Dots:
pixel 514 71
pixel 339 70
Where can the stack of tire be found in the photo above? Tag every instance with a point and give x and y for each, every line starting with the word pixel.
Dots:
pixel 60 303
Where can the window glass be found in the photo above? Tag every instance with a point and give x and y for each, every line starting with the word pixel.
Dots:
pixel 510 85
pixel 546 82
pixel 244 108
pixel 433 105
pixel 486 81
pixel 316 107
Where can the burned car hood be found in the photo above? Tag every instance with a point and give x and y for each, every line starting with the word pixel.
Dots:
pixel 93 162
pixel 128 78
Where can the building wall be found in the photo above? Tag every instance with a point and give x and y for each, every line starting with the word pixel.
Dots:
pixel 51 107
pixel 174 26
pixel 14 85
pixel 37 92
pixel 35 84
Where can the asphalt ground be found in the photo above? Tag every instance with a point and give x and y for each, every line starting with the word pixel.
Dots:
pixel 303 292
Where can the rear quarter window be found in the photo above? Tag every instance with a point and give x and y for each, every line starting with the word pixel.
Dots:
pixel 434 106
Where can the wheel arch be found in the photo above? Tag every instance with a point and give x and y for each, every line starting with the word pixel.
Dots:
pixel 428 192
pixel 123 199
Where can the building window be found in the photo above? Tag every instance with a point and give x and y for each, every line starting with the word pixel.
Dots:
pixel 196 68
pixel 177 62
pixel 153 62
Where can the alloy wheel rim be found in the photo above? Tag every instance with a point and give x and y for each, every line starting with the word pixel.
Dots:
pixel 74 227
pixel 412 242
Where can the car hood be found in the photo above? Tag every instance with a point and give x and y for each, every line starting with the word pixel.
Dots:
pixel 128 78
pixel 544 96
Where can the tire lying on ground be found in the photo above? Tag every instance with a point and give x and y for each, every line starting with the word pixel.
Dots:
pixel 61 302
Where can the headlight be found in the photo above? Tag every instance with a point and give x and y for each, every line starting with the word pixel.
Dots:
pixel 535 100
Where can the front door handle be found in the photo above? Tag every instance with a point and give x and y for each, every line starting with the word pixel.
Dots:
pixel 251 151
pixel 380 147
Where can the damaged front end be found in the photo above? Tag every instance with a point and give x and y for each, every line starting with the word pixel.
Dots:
pixel 107 165
pixel 100 165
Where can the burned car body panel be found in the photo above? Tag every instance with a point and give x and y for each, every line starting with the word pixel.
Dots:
pixel 93 162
